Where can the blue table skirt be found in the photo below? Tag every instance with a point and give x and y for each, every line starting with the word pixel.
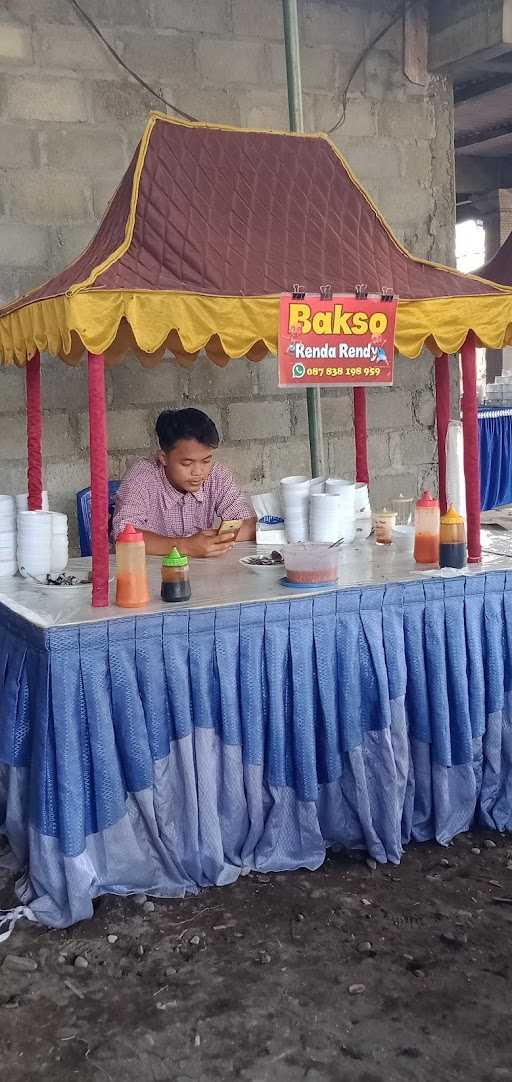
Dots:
pixel 167 753
pixel 495 428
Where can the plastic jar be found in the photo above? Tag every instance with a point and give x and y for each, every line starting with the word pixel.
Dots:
pixel 175 578
pixel 452 540
pixel 426 538
pixel 132 584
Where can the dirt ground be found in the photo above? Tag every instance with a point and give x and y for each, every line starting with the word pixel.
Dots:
pixel 348 973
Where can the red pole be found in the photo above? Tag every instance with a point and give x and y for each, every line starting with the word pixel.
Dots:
pixel 443 410
pixel 361 435
pixel 99 479
pixel 34 433
pixel 471 450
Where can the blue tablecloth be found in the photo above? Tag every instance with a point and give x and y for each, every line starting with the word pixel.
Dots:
pixel 495 427
pixel 166 753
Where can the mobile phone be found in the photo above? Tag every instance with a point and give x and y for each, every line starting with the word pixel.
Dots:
pixel 233 527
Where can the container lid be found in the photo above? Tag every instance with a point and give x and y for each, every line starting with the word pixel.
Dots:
pixel 129 535
pixel 452 517
pixel 175 559
pixel 427 500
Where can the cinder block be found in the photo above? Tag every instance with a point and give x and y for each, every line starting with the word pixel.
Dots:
pixel 417 164
pixel 13 477
pixel 424 408
pixel 57 438
pixel 324 22
pixel 245 463
pixel 44 11
pixel 318 67
pixel 127 429
pixel 12 394
pixel 388 408
pixel 46 99
pixel 417 447
pixel 73 48
pixel 84 149
pixel 58 441
pixel 263 19
pixel 401 203
pixel 123 102
pixel 200 16
pixel 217 106
pixel 267 109
pixel 63 479
pixel 407 119
pixel 339 457
pixel 415 373
pixel 370 160
pixel 386 488
pixel 359 120
pixel 15 45
pixel 18 147
pixel 208 381
pixel 378 451
pixel 69 241
pixel 47 197
pixel 284 459
pixel 64 387
pixel 336 413
pixel 23 245
pixel 159 55
pixel 224 62
pixel 165 387
pixel 258 420
pixel 114 13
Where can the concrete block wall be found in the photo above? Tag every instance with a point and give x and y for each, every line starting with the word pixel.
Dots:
pixel 70 119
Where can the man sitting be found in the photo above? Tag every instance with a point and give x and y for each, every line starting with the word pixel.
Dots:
pixel 176 498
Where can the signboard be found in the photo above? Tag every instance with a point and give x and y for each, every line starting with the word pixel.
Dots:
pixel 344 340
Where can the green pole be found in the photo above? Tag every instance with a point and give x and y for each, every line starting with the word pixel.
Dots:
pixel 296 114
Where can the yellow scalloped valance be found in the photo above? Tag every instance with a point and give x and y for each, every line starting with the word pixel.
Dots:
pixel 151 323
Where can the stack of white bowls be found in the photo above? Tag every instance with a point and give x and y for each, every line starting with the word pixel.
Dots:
pixel 295 507
pixel 22 502
pixel 35 543
pixel 8 563
pixel 332 516
pixel 60 546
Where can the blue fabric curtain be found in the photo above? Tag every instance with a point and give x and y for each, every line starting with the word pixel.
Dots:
pixel 495 458
pixel 171 751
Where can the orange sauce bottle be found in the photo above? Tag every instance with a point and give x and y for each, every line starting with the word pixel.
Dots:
pixel 132 583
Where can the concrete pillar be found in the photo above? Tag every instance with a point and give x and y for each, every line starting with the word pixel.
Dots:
pixel 496 208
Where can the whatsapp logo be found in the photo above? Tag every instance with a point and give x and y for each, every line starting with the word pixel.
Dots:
pixel 298 371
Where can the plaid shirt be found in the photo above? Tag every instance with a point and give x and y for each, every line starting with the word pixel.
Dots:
pixel 148 501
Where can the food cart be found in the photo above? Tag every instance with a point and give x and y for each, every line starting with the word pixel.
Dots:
pixel 166 751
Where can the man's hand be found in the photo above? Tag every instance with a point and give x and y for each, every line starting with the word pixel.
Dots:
pixel 207 543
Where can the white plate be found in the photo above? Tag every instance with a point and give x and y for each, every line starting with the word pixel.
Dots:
pixel 260 569
pixel 80 586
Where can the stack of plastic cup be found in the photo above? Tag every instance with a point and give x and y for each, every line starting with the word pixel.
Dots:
pixel 363 512
pixel 326 523
pixel 8 563
pixel 34 543
pixel 295 505
pixel 60 548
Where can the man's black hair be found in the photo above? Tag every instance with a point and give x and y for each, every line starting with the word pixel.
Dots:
pixel 188 424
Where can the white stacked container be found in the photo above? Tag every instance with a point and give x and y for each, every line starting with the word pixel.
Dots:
pixel 34 548
pixel 8 562
pixel 60 547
